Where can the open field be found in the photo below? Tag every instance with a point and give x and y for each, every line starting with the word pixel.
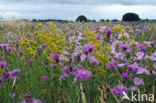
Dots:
pixel 77 62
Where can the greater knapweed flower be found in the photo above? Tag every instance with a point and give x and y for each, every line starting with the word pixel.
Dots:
pixel 138 81
pixel 142 71
pixel 55 57
pixel 154 36
pixel 23 101
pixel 134 88
pixel 93 60
pixel 20 52
pixel 125 75
pixel 4 45
pixel 44 78
pixel 5 74
pixel 125 47
pixel 82 74
pixel 30 62
pixel 102 29
pixel 112 64
pixel 133 67
pixel 119 89
pixel 65 69
pixel 108 32
pixel 99 37
pixel 36 101
pixel 8 49
pixel 1 79
pixel 44 45
pixel 88 48
pixel 15 71
pixel 64 76
pixel 2 85
pixel 13 95
pixel 27 96
pixel 141 46
pixel 3 63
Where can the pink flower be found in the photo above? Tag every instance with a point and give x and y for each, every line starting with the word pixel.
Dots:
pixel 55 57
pixel 138 81
pixel 82 74
pixel 125 47
pixel 93 60
pixel 119 89
pixel 88 48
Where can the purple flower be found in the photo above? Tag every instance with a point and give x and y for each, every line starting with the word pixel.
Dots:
pixel 154 36
pixel 21 52
pixel 64 76
pixel 140 55
pixel 30 62
pixel 27 96
pixel 133 67
pixel 24 101
pixel 5 74
pixel 138 81
pixel 55 57
pixel 65 69
pixel 14 77
pixel 4 45
pixel 119 89
pixel 125 47
pixel 142 70
pixel 82 74
pixel 88 48
pixel 93 60
pixel 102 29
pixel 99 37
pixel 153 72
pixel 2 85
pixel 13 95
pixel 39 50
pixel 1 79
pixel 15 71
pixel 44 78
pixel 9 48
pixel 3 63
pixel 134 88
pixel 140 46
pixel 124 74
pixel 112 64
pixel 43 45
pixel 36 101
pixel 108 32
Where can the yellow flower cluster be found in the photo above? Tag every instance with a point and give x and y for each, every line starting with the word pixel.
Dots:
pixel 100 53
pixel 118 28
pixel 24 41
pixel 52 38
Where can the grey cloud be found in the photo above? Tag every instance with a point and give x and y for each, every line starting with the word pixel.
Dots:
pixel 85 2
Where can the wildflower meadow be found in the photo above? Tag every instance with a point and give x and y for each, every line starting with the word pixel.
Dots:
pixel 78 62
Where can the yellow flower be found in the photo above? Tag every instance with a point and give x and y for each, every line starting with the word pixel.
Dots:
pixel 24 41
pixel 40 24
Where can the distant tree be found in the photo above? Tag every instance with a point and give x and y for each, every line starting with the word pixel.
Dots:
pixel 94 20
pixel 34 20
pixel 1 17
pixel 130 17
pixel 88 20
pixel 82 18
pixel 115 20
pixel 102 20
pixel 107 20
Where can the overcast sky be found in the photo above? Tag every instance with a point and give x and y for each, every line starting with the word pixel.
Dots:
pixel 70 9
